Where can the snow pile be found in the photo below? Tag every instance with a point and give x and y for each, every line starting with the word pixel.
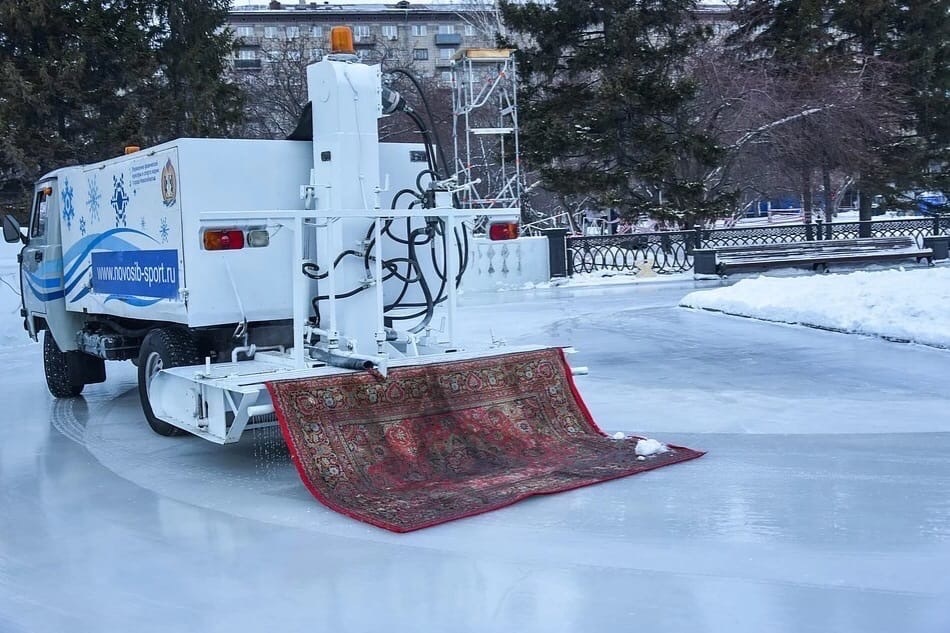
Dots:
pixel 11 324
pixel 647 447
pixel 907 305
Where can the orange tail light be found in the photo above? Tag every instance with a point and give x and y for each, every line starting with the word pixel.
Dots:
pixel 503 231
pixel 223 240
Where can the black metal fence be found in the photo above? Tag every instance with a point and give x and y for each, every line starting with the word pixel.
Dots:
pixel 670 252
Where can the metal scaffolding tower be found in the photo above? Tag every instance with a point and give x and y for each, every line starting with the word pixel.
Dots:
pixel 485 128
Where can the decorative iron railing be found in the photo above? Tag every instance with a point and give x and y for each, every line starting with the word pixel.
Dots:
pixel 914 227
pixel 670 252
pixel 666 252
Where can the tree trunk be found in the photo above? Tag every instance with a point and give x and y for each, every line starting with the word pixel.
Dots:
pixel 806 203
pixel 864 212
pixel 830 209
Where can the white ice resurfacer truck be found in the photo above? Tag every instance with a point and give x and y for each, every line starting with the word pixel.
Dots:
pixel 217 265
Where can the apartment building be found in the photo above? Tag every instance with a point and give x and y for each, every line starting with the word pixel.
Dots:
pixel 425 36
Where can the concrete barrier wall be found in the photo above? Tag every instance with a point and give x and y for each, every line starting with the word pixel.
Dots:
pixel 507 264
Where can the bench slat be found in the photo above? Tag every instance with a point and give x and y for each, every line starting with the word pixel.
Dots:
pixel 815 253
pixel 825 259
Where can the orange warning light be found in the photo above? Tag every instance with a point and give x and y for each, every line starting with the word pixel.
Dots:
pixel 341 40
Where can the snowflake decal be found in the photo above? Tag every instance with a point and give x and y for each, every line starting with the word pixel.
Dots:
pixel 120 200
pixel 69 211
pixel 163 229
pixel 142 223
pixel 93 199
pixel 82 226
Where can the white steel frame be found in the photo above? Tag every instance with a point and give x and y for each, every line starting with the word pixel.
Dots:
pixel 485 81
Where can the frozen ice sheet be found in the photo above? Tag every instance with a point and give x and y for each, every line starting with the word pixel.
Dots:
pixel 822 505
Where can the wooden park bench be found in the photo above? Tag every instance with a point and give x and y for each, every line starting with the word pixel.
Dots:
pixel 815 255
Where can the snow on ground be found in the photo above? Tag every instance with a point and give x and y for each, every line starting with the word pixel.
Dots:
pixel 911 305
pixel 11 324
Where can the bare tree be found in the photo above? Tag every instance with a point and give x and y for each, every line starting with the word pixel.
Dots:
pixel 275 95
pixel 775 132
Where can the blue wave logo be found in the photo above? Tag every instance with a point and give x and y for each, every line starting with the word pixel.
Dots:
pixel 49 283
pixel 75 258
pixel 46 284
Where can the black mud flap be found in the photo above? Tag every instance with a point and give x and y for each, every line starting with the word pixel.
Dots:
pixel 85 369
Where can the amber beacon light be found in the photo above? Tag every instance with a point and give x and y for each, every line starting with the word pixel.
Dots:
pixel 341 40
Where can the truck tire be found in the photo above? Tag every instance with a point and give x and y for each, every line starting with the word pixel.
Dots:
pixel 163 348
pixel 56 367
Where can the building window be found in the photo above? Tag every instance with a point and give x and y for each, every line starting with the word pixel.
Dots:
pixel 317 31
pixel 246 53
pixel 418 30
pixel 245 31
pixel 390 31
pixel 270 31
pixel 447 76
pixel 293 32
pixel 446 29
pixel 316 53
pixel 420 54
pixel 361 33
pixel 470 30
pixel 446 53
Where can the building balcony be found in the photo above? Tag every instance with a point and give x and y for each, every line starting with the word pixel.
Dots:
pixel 448 39
pixel 368 41
pixel 444 64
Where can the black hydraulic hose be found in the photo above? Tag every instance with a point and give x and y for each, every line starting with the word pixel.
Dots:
pixel 394 269
pixel 401 193
pixel 463 254
pixel 345 295
pixel 419 176
pixel 312 271
pixel 415 263
pixel 425 104
pixel 426 140
pixel 426 313
pixel 440 297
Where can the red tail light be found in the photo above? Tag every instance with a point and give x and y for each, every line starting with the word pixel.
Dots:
pixel 223 240
pixel 503 231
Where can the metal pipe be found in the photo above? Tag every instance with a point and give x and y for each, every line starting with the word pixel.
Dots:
pixel 345 360
pixel 248 350
pixel 259 409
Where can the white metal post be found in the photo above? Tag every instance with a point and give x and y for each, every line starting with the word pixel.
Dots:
pixel 301 294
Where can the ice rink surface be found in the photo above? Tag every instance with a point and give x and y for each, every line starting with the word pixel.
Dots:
pixel 823 503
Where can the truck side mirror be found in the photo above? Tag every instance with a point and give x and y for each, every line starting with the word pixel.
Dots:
pixel 12 231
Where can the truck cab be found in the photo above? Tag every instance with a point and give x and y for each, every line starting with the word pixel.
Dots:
pixel 68 370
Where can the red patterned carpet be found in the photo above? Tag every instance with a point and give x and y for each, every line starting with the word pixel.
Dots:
pixel 434 443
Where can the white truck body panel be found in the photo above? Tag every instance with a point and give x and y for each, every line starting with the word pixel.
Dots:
pixel 131 236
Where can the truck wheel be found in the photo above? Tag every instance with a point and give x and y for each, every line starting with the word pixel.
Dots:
pixel 56 367
pixel 163 348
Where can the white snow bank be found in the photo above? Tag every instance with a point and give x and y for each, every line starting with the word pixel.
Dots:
pixel 647 447
pixel 911 305
pixel 11 323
